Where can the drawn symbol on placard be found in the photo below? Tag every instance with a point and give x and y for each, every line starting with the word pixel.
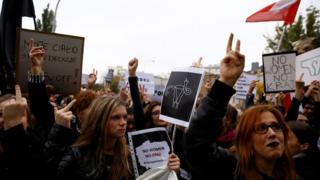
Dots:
pixel 178 92
pixel 312 65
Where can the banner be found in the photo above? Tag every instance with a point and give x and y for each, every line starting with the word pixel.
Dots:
pixel 149 148
pixel 180 95
pixel 279 72
pixel 62 60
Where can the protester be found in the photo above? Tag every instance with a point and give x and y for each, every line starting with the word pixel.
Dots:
pixel 303 147
pixel 260 150
pixel 142 122
pixel 229 123
pixel 100 152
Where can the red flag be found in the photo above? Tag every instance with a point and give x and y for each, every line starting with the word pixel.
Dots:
pixel 283 10
pixel 287 102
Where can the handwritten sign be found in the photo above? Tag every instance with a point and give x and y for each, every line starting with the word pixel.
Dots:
pixel 62 61
pixel 309 64
pixel 149 149
pixel 279 72
pixel 180 94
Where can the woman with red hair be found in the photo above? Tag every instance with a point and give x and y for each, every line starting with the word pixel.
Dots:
pixel 260 151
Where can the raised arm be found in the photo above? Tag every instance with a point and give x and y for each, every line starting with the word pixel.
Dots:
pixel 139 117
pixel 39 101
pixel 293 110
pixel 205 158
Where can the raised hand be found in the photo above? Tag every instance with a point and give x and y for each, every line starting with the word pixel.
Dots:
pixel 15 111
pixel 252 85
pixel 314 91
pixel 92 78
pixel 132 66
pixel 124 94
pixel 197 64
pixel 313 88
pixel 36 56
pixel 64 116
pixel 299 88
pixel 232 64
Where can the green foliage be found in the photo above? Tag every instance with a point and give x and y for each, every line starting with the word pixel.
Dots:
pixel 46 23
pixel 303 27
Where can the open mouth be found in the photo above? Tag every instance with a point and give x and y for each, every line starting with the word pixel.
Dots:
pixel 273 144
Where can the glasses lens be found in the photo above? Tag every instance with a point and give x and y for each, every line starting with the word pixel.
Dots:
pixel 263 128
pixel 276 127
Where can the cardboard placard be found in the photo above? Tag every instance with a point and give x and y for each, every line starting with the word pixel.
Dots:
pixel 279 72
pixel 62 60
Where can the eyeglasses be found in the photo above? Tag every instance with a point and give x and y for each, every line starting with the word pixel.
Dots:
pixel 263 128
pixel 155 113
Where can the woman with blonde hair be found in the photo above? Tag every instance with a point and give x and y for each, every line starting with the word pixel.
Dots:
pixel 100 152
pixel 260 151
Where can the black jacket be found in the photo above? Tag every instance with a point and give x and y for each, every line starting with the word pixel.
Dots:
pixel 308 165
pixel 23 156
pixel 79 164
pixel 207 160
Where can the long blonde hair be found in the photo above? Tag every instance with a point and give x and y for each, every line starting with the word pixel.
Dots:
pixel 94 137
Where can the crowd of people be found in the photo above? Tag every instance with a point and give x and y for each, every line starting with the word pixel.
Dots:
pixel 83 136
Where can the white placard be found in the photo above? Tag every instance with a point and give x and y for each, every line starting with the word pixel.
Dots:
pixel 242 85
pixel 146 80
pixel 279 72
pixel 309 64
pixel 149 149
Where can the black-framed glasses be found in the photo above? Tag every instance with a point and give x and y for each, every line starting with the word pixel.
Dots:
pixel 263 128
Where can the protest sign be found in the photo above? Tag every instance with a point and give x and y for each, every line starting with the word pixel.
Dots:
pixel 279 72
pixel 149 148
pixel 108 78
pixel 84 79
pixel 158 93
pixel 62 60
pixel 242 85
pixel 180 95
pixel 146 80
pixel 309 64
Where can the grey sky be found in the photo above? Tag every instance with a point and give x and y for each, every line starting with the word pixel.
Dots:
pixel 162 34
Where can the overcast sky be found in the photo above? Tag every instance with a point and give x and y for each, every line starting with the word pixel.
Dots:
pixel 162 34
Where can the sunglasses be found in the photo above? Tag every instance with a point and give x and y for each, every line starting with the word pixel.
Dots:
pixel 263 128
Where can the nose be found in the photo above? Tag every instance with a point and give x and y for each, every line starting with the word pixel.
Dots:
pixel 123 121
pixel 271 132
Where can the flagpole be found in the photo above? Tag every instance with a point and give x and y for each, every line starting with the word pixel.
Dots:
pixel 281 37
